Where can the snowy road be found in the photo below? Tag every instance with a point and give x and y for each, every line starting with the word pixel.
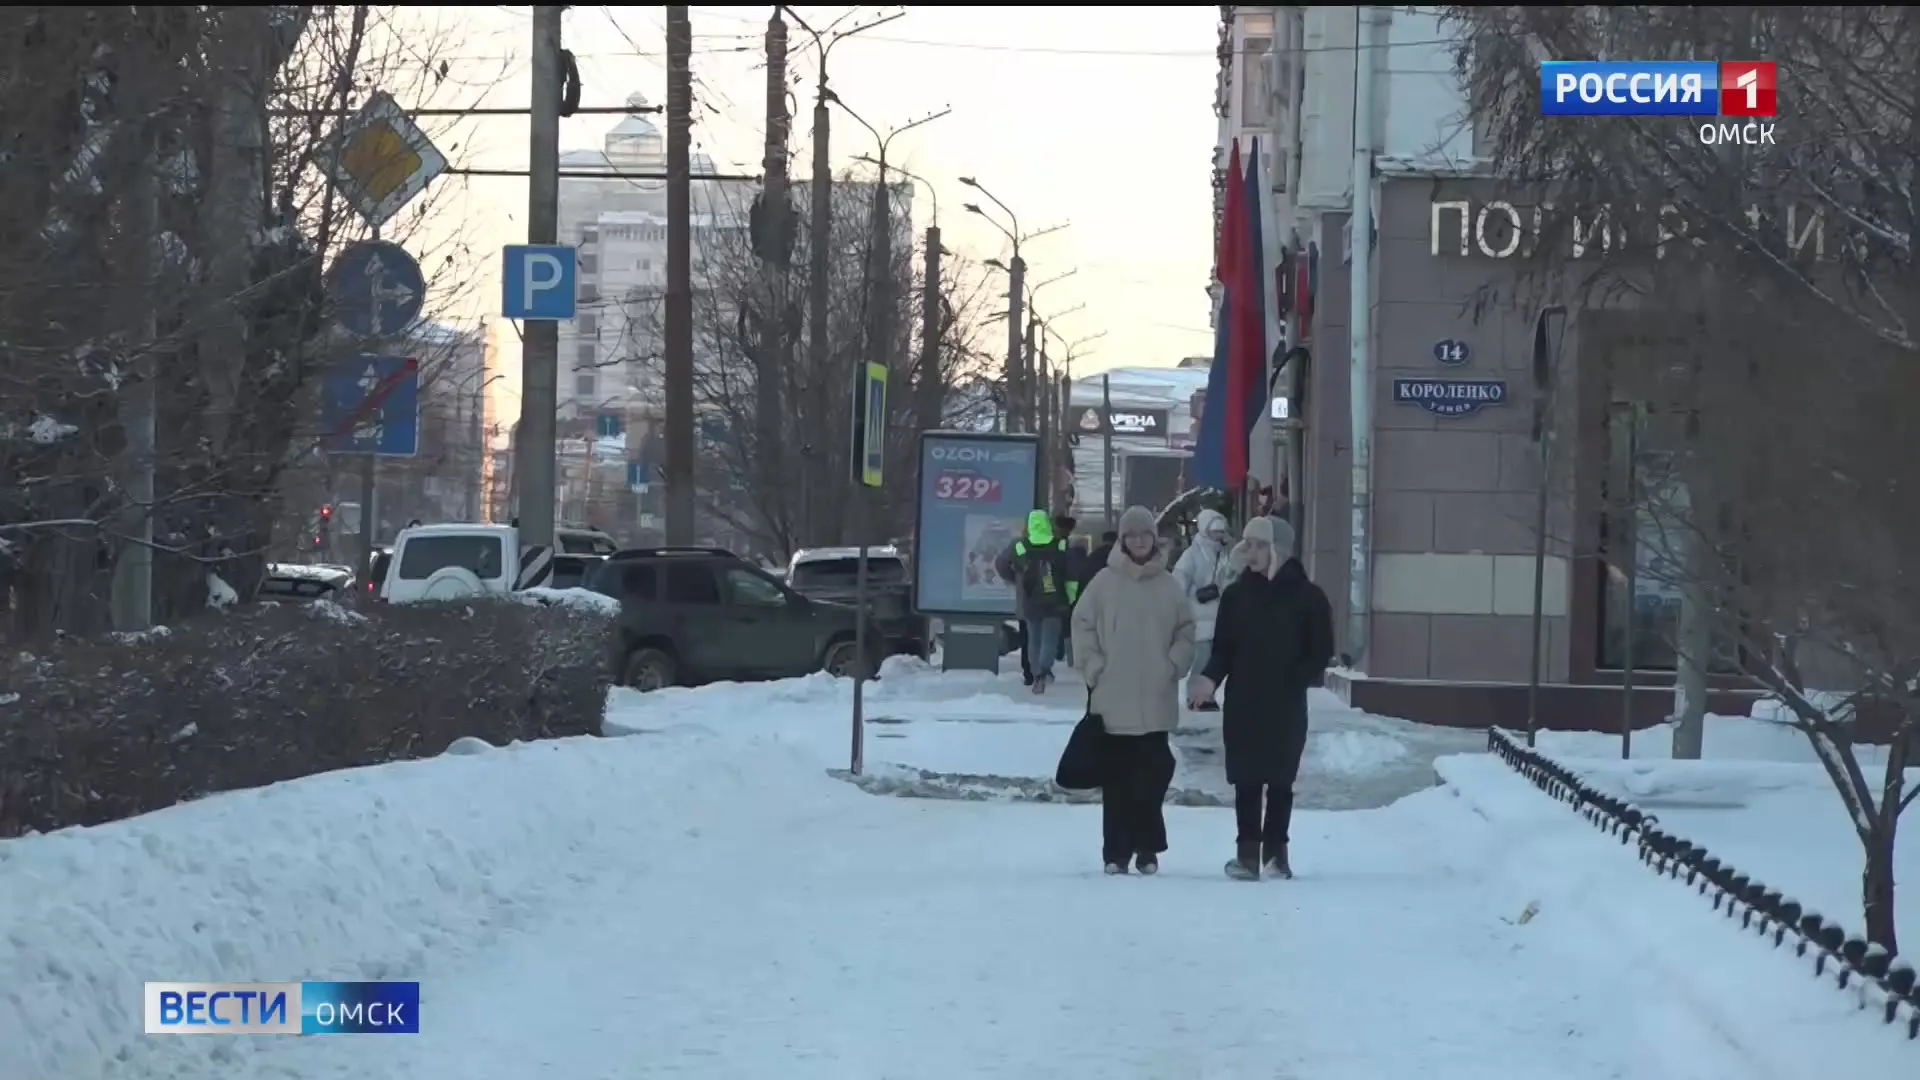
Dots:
pixel 850 937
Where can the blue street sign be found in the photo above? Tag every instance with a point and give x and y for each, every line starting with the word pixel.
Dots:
pixel 372 406
pixel 377 289
pixel 539 282
pixel 1450 397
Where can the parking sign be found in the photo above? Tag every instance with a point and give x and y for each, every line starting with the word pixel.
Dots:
pixel 539 282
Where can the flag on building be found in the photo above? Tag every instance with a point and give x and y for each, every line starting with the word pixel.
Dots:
pixel 1209 450
pixel 1247 350
pixel 1237 384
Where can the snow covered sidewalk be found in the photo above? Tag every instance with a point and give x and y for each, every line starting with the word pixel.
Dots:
pixel 973 735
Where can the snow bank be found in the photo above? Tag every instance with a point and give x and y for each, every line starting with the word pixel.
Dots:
pixel 585 599
pixel 1726 980
pixel 1779 821
pixel 379 873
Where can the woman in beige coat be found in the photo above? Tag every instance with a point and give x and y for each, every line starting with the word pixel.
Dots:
pixel 1133 641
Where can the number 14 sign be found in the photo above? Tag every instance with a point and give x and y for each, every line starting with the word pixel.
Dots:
pixel 959 485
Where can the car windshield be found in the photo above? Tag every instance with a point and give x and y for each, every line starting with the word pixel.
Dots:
pixel 844 573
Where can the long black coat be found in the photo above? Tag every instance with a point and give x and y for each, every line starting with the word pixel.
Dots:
pixel 1272 639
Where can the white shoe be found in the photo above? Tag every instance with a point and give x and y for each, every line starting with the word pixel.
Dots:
pixel 1114 869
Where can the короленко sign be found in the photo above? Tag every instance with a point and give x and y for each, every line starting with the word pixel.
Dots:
pixel 1450 397
pixel 975 491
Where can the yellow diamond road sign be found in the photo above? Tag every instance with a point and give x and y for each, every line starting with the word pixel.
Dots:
pixel 381 160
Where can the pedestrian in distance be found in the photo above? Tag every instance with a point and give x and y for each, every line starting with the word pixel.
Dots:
pixel 1272 641
pixel 1203 571
pixel 1036 564
pixel 1078 575
pixel 1133 640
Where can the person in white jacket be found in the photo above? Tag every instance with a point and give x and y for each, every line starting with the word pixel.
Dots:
pixel 1202 572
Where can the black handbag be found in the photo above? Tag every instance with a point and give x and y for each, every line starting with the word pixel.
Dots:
pixel 1207 594
pixel 1083 763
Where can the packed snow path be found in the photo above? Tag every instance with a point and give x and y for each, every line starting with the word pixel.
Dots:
pixel 814 931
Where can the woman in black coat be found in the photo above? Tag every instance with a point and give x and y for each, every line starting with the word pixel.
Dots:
pixel 1273 637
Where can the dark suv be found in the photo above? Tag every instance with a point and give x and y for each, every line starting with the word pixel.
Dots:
pixel 693 615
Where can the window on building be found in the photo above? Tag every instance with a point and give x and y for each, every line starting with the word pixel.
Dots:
pixel 1640 470
pixel 587 326
pixel 1256 90
pixel 589 234
pixel 586 355
pixel 589 294
pixel 646 266
pixel 589 262
pixel 585 384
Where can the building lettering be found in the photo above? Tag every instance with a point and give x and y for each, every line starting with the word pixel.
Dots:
pixel 1499 229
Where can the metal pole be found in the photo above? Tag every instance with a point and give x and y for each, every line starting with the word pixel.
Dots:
pixel 1629 547
pixel 679 307
pixel 369 518
pixel 1539 588
pixel 1360 335
pixel 535 467
pixel 1016 341
pixel 1106 446
pixel 857 759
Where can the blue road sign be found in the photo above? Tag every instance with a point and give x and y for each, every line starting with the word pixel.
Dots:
pixel 538 282
pixel 377 289
pixel 373 407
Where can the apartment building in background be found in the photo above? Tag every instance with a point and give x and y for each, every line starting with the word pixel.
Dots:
pixel 611 401
pixel 1450 538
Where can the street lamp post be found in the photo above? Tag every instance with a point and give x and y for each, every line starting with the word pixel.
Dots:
pixel 1017 272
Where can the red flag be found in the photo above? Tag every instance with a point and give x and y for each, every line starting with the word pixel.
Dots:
pixel 1246 321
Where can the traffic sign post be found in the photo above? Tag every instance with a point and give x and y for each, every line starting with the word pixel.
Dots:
pixel 377 289
pixel 538 282
pixel 373 407
pixel 869 447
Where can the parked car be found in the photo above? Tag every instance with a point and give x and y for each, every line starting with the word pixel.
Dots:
pixel 304 581
pixel 698 614
pixel 573 571
pixel 832 575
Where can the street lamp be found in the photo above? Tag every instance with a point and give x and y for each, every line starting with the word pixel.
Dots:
pixel 1016 268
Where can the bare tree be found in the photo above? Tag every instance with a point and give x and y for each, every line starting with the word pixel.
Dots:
pixel 167 223
pixel 1774 302
pixel 794 492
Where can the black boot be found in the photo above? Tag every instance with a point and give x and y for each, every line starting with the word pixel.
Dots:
pixel 1276 862
pixel 1245 865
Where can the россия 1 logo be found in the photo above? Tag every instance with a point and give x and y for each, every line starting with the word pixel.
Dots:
pixel 1746 89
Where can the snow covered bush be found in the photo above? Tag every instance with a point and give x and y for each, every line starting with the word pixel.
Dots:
pixel 105 729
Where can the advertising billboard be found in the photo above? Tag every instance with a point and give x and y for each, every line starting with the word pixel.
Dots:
pixel 975 491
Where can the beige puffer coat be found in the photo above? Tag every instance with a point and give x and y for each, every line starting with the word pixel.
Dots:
pixel 1133 641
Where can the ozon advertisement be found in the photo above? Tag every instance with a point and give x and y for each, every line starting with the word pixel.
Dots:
pixel 975 491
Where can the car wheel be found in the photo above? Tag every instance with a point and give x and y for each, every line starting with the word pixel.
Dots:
pixel 648 669
pixel 840 658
